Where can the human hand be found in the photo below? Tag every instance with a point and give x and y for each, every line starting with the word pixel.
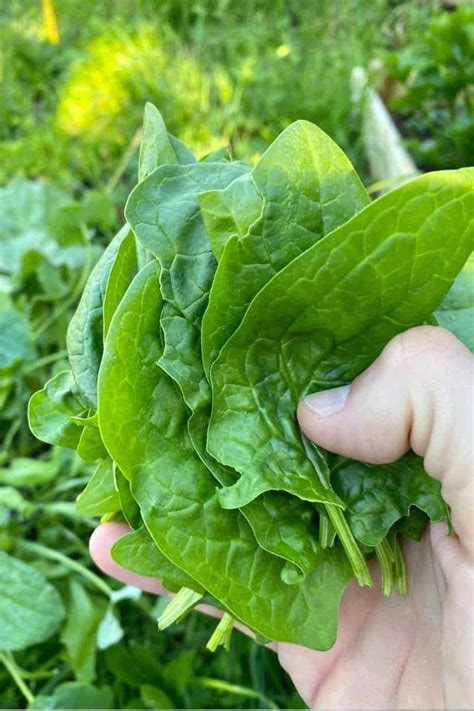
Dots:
pixel 399 652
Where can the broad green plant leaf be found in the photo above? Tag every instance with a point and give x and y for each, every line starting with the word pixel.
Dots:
pixel 31 610
pixel 122 271
pixel 133 390
pixel 308 188
pixel 50 411
pixel 324 318
pixel 128 505
pixel 79 634
pixel 138 553
pixel 100 495
pixel 85 332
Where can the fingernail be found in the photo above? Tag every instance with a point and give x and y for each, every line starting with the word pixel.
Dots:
pixel 328 402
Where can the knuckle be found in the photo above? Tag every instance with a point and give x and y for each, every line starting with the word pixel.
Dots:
pixel 422 345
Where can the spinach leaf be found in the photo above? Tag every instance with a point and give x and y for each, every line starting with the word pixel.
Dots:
pixel 128 505
pixel 323 319
pixel 138 553
pixel 50 411
pixel 122 271
pixel 100 495
pixel 26 624
pixel 85 332
pixel 456 311
pixel 378 496
pixel 307 188
pixel 153 449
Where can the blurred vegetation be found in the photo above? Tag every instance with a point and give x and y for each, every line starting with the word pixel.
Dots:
pixel 74 78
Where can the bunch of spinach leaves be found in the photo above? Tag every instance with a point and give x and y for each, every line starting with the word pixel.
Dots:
pixel 229 294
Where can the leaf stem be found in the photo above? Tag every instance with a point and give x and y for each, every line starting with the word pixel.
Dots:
pixel 14 672
pixel 222 633
pixel 327 533
pixel 349 543
pixel 179 605
pixel 385 557
pixel 43 551
pixel 400 568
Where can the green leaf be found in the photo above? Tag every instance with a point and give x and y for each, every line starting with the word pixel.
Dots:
pixel 308 188
pixel 378 496
pixel 138 553
pixel 110 630
pixel 456 311
pixel 30 608
pixel 90 447
pixel 79 634
pixel 17 344
pixel 324 318
pixel 27 472
pixel 121 274
pixel 128 505
pixel 155 146
pixel 100 495
pixel 50 410
pixel 85 332
pixel 155 698
pixel 12 500
pixel 153 450
pixel 75 695
pixel 230 211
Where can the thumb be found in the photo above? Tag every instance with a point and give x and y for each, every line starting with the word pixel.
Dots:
pixel 418 395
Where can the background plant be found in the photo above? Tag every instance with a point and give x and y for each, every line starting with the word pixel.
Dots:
pixel 247 69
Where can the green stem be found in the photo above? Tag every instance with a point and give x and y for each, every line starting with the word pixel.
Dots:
pixel 43 551
pixel 400 568
pixel 349 543
pixel 179 605
pixel 222 633
pixel 13 670
pixel 327 533
pixel 385 557
pixel 337 518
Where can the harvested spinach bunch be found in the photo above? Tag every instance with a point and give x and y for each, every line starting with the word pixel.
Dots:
pixel 231 293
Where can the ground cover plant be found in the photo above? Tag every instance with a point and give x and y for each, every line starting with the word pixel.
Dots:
pixel 229 293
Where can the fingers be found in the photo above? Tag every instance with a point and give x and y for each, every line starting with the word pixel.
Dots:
pixel 100 544
pixel 417 394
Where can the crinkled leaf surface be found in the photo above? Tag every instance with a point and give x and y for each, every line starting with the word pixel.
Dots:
pixel 85 332
pixel 308 187
pixel 172 233
pixel 143 424
pixel 378 496
pixel 31 610
pixel 325 317
pixel 50 411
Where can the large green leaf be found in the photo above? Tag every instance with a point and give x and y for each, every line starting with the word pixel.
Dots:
pixel 31 610
pixel 325 317
pixel 177 495
pixel 100 495
pixel 308 187
pixel 122 271
pixel 85 332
